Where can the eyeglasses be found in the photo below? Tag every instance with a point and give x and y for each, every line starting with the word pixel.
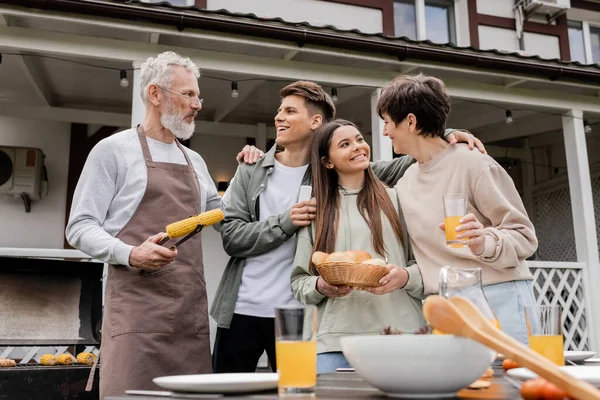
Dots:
pixel 193 99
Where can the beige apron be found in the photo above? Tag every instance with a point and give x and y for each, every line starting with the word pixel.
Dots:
pixel 156 322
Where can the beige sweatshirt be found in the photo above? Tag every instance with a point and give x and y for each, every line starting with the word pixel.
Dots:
pixel 492 197
pixel 360 312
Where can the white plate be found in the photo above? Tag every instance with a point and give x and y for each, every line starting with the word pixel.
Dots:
pixel 575 356
pixel 219 383
pixel 578 356
pixel 588 373
pixel 592 360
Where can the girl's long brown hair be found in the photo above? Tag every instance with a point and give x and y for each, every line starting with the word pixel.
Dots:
pixel 372 198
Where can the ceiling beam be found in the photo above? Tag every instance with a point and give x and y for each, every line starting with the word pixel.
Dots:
pixel 231 104
pixel 72 115
pixel 61 114
pixel 154 38
pixel 290 54
pixel 524 127
pixel 120 50
pixel 72 45
pixel 31 71
pixel 512 97
pixel 514 82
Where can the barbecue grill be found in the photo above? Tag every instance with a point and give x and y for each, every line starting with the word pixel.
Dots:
pixel 48 304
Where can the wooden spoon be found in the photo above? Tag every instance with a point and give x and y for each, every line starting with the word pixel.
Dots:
pixel 445 316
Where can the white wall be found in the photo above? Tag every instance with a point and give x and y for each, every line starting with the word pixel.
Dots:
pixel 498 8
pixel 497 38
pixel 316 12
pixel 44 226
pixel 544 46
pixel 219 154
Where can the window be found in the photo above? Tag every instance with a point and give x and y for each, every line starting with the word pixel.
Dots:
pixel 576 44
pixel 439 21
pixel 584 42
pixel 595 44
pixel 425 19
pixel 405 19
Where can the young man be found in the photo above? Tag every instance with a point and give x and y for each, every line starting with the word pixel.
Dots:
pixel 261 220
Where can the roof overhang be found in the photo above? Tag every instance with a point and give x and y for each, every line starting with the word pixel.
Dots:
pixel 304 34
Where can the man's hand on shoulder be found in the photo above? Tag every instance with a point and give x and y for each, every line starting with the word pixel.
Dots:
pixel 150 256
pixel 249 155
pixel 466 137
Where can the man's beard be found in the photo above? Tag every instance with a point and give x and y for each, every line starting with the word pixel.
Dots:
pixel 177 124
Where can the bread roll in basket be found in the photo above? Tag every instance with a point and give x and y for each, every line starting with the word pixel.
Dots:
pixel 354 268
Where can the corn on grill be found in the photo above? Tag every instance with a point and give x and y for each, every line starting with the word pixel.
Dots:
pixel 49 306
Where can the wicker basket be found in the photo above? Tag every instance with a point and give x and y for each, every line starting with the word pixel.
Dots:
pixel 352 274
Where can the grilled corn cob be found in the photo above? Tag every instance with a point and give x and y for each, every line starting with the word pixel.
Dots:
pixel 86 358
pixel 48 359
pixel 7 362
pixel 183 227
pixel 65 359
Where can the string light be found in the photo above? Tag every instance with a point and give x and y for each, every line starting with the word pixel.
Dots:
pixel 124 82
pixel 234 90
pixel 334 96
pixel 586 127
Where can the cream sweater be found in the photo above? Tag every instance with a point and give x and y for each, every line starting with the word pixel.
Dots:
pixel 360 312
pixel 492 197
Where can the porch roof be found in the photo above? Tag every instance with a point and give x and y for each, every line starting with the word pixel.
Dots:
pixel 304 33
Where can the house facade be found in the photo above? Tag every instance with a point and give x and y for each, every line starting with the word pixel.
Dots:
pixel 524 76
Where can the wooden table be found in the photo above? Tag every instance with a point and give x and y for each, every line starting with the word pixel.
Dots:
pixel 348 385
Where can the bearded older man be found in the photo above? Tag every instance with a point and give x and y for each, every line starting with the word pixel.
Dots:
pixel 133 184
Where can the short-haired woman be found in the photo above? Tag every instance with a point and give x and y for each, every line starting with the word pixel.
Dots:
pixel 496 231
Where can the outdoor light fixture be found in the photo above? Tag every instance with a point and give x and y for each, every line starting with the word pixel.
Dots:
pixel 586 127
pixel 334 95
pixel 124 82
pixel 509 118
pixel 234 90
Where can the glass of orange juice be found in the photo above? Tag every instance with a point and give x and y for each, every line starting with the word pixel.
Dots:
pixel 544 332
pixel 296 350
pixel 455 207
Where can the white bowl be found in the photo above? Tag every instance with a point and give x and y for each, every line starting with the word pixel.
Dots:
pixel 417 366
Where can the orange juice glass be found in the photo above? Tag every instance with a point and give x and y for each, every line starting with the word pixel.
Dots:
pixel 296 350
pixel 544 332
pixel 455 207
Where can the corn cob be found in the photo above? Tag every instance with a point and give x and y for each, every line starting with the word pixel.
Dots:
pixel 48 359
pixel 86 358
pixel 7 362
pixel 65 359
pixel 183 227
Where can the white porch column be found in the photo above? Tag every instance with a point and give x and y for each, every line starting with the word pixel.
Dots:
pixel 261 137
pixel 382 145
pixel 584 222
pixel 138 109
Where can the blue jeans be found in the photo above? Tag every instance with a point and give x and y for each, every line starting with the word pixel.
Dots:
pixel 329 362
pixel 508 301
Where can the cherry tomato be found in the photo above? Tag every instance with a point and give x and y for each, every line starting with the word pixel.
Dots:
pixel 553 392
pixel 533 389
pixel 507 364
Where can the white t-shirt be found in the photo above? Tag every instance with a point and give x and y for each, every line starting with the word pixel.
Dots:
pixel 111 187
pixel 266 278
